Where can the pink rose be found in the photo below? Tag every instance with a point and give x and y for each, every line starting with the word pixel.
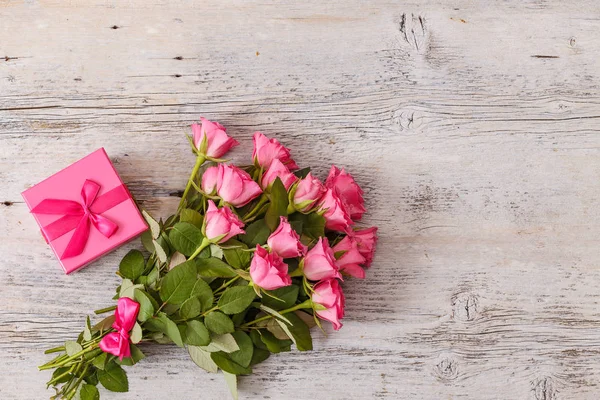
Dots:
pixel 348 191
pixel 285 241
pixel 366 239
pixel 266 150
pixel 319 262
pixel 268 270
pixel 329 294
pixel 217 141
pixel 209 180
pixel 336 217
pixel 275 170
pixel 307 193
pixel 235 186
pixel 221 224
pixel 350 260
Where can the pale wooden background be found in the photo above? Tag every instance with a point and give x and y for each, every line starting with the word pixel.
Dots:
pixel 472 126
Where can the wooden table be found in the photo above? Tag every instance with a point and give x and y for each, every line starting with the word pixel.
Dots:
pixel 472 127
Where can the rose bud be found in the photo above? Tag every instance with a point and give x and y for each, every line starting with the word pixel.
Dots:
pixel 348 191
pixel 308 191
pixel 350 259
pixel 329 295
pixel 336 217
pixel 235 186
pixel 278 170
pixel 319 262
pixel 221 224
pixel 266 150
pixel 217 141
pixel 285 241
pixel 209 180
pixel 366 239
pixel 268 270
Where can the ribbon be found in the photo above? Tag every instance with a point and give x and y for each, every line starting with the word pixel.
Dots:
pixel 117 343
pixel 78 216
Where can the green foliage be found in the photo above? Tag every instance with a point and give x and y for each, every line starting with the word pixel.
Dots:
pixel 236 299
pixel 178 283
pixel 113 378
pixel 213 267
pixel 219 323
pixel 185 238
pixel 278 204
pixel 132 265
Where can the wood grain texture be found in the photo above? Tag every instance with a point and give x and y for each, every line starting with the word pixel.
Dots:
pixel 474 129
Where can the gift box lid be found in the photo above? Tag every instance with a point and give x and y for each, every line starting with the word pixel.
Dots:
pixel 94 170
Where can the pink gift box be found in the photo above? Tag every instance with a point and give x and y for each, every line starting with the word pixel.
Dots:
pixel 84 211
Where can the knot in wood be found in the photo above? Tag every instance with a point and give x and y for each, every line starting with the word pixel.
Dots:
pixel 544 389
pixel 447 368
pixel 464 307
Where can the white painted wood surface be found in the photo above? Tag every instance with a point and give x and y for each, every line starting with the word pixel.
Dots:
pixel 472 126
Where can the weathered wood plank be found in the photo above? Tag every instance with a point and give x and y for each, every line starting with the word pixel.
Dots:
pixel 474 130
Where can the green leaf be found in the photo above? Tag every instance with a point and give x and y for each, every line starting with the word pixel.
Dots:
pixel 225 342
pixel 113 378
pixel 273 344
pixel 190 308
pixel 213 267
pixel 128 289
pixel 154 226
pixel 136 334
pixel 162 323
pixel 274 313
pixel 285 297
pixel 202 359
pixel 191 216
pixel 58 372
pixel 244 355
pixel 132 265
pixel 160 252
pixel 204 293
pixel 87 331
pixel 228 365
pixel 100 361
pixel 186 238
pixel 301 173
pixel 313 225
pixel 278 204
pixel 298 332
pixel 147 307
pixel 256 233
pixel 257 340
pixel 136 356
pixel 147 241
pixel 259 356
pixel 236 299
pixel 231 381
pixel 219 323
pixel 72 347
pixel 89 392
pixel 216 251
pixel 178 283
pixel 237 257
pixel 196 334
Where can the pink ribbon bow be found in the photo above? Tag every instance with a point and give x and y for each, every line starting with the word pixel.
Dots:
pixel 117 343
pixel 78 216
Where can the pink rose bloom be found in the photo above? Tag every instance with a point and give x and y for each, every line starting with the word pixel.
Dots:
pixel 277 169
pixel 266 150
pixel 209 180
pixel 350 261
pixel 336 217
pixel 348 191
pixel 366 239
pixel 218 142
pixel 285 241
pixel 329 294
pixel 221 224
pixel 308 192
pixel 268 270
pixel 234 185
pixel 319 262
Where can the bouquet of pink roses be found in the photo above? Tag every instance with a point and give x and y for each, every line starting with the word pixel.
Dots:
pixel 252 259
